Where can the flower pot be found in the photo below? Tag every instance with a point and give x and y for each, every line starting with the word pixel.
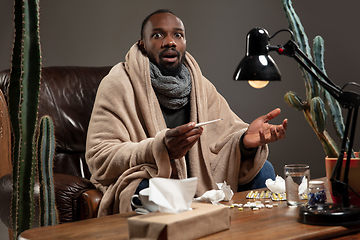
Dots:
pixel 354 177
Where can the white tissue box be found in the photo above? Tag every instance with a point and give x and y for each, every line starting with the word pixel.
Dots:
pixel 203 220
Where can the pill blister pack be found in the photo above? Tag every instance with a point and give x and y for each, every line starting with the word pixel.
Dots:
pixel 266 195
pixel 255 206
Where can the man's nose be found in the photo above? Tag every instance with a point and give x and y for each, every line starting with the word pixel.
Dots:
pixel 169 42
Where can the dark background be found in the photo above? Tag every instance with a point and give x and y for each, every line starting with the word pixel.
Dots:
pixel 99 33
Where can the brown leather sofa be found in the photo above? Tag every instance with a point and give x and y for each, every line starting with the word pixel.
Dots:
pixel 67 95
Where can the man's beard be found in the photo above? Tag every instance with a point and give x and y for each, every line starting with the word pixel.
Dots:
pixel 171 70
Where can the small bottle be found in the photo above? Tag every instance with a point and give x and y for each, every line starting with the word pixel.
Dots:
pixel 316 194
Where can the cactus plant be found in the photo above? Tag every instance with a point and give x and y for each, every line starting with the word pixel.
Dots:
pixel 23 108
pixel 45 156
pixel 318 100
pixel 23 104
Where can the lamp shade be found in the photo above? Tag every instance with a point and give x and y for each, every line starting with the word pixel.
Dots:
pixel 257 65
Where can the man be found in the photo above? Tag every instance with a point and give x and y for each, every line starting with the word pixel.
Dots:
pixel 143 122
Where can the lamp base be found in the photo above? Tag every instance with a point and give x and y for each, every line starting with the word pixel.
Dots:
pixel 329 215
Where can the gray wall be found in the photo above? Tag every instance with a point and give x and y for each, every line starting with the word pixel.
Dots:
pixel 99 33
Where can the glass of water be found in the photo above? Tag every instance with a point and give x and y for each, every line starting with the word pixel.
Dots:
pixel 297 177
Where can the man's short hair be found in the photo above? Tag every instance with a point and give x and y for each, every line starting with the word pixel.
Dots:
pixel 148 17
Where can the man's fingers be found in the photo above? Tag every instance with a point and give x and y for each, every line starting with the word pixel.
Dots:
pixel 273 133
pixel 192 141
pixel 260 132
pixel 189 141
pixel 285 123
pixel 262 137
pixel 184 139
pixel 180 148
pixel 271 115
pixel 180 139
pixel 180 130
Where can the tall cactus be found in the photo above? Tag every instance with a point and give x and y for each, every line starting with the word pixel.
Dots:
pixel 23 106
pixel 45 155
pixel 314 108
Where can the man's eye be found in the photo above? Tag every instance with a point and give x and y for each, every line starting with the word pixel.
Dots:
pixel 178 35
pixel 157 35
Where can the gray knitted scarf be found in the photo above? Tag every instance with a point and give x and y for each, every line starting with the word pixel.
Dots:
pixel 172 92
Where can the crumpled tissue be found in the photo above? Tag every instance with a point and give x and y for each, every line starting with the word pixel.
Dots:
pixel 215 196
pixel 303 188
pixel 277 186
pixel 172 195
pixel 300 189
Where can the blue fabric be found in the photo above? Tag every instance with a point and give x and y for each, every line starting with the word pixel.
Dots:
pixel 267 171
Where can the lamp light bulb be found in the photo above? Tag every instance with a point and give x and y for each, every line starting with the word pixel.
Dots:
pixel 258 83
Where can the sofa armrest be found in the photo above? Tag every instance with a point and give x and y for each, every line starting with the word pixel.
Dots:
pixel 89 204
pixel 5 199
pixel 76 198
pixel 71 192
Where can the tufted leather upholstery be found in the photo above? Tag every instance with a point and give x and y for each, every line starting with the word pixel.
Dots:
pixel 67 95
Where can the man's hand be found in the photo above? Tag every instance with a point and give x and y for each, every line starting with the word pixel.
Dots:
pixel 179 140
pixel 261 132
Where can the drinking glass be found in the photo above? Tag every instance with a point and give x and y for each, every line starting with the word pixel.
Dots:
pixel 297 177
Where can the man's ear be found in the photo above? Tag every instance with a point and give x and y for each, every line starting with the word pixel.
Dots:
pixel 141 45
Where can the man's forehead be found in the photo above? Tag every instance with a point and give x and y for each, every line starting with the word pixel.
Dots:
pixel 164 21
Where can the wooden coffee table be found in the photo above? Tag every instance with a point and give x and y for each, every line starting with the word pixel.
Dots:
pixel 276 223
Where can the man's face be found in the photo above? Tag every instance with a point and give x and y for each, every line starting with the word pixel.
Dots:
pixel 164 42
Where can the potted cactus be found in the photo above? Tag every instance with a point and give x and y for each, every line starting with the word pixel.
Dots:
pixel 23 108
pixel 318 100
pixel 318 103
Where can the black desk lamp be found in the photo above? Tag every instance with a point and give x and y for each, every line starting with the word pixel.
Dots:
pixel 258 66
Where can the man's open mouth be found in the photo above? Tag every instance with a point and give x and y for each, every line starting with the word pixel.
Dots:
pixel 170 56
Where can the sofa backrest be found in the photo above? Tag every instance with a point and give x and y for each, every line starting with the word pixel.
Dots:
pixel 67 95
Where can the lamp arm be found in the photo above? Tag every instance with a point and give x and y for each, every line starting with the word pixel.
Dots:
pixel 347 99
pixel 291 49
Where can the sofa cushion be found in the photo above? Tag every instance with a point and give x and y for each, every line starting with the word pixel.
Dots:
pixel 67 95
